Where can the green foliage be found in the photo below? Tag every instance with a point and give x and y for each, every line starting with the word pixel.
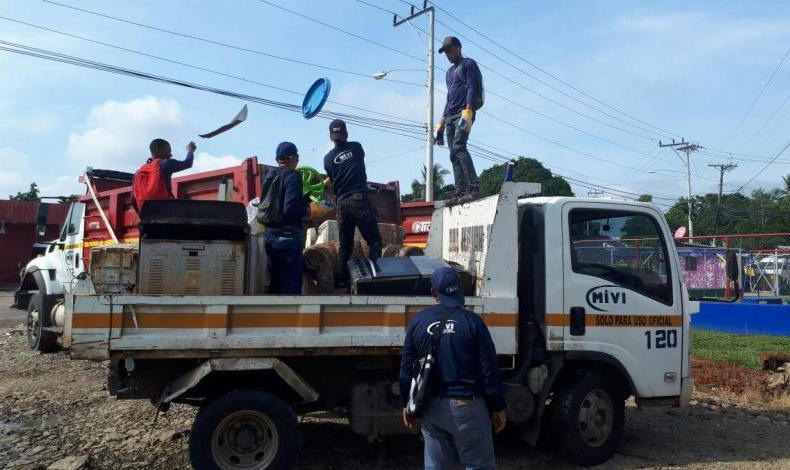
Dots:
pixel 440 190
pixel 762 212
pixel 740 350
pixel 30 195
pixel 645 198
pixel 526 170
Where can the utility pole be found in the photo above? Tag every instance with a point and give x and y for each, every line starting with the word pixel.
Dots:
pixel 687 148
pixel 429 129
pixel 723 168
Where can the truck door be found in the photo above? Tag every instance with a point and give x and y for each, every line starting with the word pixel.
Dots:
pixel 621 295
pixel 69 248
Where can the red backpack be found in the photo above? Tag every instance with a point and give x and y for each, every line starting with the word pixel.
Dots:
pixel 149 184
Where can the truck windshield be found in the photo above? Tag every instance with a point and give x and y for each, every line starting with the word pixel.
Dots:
pixel 624 248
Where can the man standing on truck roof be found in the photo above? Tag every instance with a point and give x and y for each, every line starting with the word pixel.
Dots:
pixel 464 98
pixel 282 208
pixel 155 183
pixel 345 166
pixel 465 388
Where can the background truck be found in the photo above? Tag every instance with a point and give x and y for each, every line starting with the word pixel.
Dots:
pixel 575 338
pixel 104 216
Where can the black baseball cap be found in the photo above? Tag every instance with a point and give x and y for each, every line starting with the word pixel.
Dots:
pixel 337 130
pixel 449 41
pixel 446 283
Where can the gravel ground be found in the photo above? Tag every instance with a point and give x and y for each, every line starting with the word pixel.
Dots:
pixel 52 408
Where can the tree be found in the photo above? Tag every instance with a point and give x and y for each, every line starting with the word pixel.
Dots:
pixel 526 170
pixel 30 195
pixel 440 191
pixel 645 198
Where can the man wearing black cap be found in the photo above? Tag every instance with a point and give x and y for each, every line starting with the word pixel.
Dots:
pixel 283 238
pixel 466 391
pixel 464 97
pixel 345 166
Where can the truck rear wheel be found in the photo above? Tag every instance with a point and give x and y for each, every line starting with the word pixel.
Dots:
pixel 244 429
pixel 38 310
pixel 587 418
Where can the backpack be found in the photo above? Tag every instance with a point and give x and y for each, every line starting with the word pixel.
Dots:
pixel 270 208
pixel 422 378
pixel 480 94
pixel 149 184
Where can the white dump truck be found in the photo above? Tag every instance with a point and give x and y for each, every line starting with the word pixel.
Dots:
pixel 584 299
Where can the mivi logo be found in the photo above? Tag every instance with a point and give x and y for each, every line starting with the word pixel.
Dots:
pixel 449 327
pixel 600 297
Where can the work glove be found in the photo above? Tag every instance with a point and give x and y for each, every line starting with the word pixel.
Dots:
pixel 467 115
pixel 439 139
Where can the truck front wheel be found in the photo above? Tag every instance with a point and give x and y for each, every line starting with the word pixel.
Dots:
pixel 38 310
pixel 587 418
pixel 244 429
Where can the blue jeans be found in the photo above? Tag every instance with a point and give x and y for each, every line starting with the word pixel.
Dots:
pixel 464 172
pixel 456 431
pixel 284 260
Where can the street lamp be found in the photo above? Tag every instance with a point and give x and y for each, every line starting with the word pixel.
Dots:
pixel 382 74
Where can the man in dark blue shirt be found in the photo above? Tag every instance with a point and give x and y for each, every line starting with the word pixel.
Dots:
pixel 283 242
pixel 466 385
pixel 464 97
pixel 345 167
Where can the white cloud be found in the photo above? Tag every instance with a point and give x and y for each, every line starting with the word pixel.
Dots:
pixel 10 183
pixel 12 158
pixel 38 122
pixel 64 185
pixel 207 162
pixel 116 134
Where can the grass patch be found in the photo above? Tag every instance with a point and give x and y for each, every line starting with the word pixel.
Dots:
pixel 739 350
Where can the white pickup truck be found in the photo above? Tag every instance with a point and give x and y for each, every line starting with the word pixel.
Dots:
pixel 584 299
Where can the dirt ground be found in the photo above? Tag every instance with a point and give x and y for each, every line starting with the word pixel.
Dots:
pixel 52 408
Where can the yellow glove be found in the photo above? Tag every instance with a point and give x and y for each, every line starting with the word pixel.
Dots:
pixel 466 117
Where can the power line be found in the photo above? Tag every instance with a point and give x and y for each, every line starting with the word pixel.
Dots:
pixel 764 168
pixel 224 44
pixel 379 160
pixel 348 33
pixel 767 121
pixel 757 98
pixel 173 61
pixel 398 128
pixel 663 131
pixel 534 92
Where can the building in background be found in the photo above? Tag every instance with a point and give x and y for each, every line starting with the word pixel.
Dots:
pixel 18 234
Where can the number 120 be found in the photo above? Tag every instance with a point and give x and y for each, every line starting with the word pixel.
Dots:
pixel 661 339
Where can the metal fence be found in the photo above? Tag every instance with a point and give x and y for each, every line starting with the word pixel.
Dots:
pixel 764 264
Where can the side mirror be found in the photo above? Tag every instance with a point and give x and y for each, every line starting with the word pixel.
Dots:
pixel 732 265
pixel 41 219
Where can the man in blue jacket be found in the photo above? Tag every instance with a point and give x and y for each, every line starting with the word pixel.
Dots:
pixel 345 167
pixel 464 97
pixel 466 388
pixel 283 242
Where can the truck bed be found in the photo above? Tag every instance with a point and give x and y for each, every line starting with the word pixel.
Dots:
pixel 101 327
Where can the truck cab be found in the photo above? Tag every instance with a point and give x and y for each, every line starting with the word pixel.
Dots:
pixel 584 300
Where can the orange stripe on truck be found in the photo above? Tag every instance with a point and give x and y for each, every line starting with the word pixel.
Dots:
pixel 180 320
pixel 617 320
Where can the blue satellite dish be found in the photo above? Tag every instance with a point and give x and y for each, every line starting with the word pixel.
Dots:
pixel 316 97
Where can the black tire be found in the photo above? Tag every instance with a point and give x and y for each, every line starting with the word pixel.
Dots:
pixel 38 311
pixel 587 418
pixel 224 428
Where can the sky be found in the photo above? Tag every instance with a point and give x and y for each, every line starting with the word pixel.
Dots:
pixel 612 79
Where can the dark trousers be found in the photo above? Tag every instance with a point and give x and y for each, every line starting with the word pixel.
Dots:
pixel 464 172
pixel 350 215
pixel 284 260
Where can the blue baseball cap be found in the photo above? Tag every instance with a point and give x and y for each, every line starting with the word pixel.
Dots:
pixel 447 285
pixel 286 150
